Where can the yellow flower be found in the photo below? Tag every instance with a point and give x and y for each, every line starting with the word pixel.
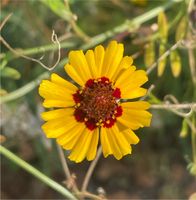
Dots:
pixel 94 109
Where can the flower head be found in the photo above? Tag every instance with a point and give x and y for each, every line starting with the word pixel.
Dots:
pixel 96 108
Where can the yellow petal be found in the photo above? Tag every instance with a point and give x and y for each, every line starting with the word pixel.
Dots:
pixel 50 103
pixel 52 91
pixel 105 142
pixel 93 145
pixel 136 105
pixel 138 117
pixel 121 140
pixel 126 122
pixel 59 113
pixel 125 63
pixel 114 145
pixel 113 66
pixel 131 79
pixel 57 127
pixel 99 57
pixel 55 78
pixel 135 93
pixel 71 136
pixel 80 149
pixel 74 74
pixel 109 56
pixel 78 61
pixel 130 136
pixel 90 58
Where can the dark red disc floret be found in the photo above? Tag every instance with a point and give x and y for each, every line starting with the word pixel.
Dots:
pixel 91 124
pixel 77 97
pixel 97 103
pixel 118 111
pixel 109 123
pixel 89 83
pixel 117 93
pixel 79 115
pixel 105 79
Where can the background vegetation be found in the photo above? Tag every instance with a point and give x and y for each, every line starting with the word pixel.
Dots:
pixel 160 35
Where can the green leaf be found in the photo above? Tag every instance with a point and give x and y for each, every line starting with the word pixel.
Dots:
pixel 2 92
pixel 184 129
pixel 181 29
pixel 149 54
pixel 59 8
pixel 162 63
pixel 163 26
pixel 192 168
pixel 3 64
pixel 175 62
pixel 10 73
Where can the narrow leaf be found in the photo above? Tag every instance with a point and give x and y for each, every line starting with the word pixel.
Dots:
pixel 181 29
pixel 10 73
pixel 3 64
pixel 163 26
pixel 149 54
pixel 59 8
pixel 2 92
pixel 175 62
pixel 162 63
pixel 184 129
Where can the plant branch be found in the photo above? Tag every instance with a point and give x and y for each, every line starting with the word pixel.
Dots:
pixel 90 170
pixel 5 21
pixel 59 188
pixel 174 106
pixel 162 57
pixel 66 170
pixel 89 195
pixel 54 40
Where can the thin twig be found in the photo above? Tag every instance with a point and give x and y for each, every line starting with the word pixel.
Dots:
pixel 5 20
pixel 148 92
pixel 89 195
pixel 64 162
pixel 54 40
pixel 66 170
pixel 174 106
pixel 177 108
pixel 90 170
pixel 162 57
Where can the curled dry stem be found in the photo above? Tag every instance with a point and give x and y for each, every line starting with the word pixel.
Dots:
pixel 70 182
pixel 54 40
pixel 90 170
pixel 5 21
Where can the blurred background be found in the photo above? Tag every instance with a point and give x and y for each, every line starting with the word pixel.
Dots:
pixel 162 165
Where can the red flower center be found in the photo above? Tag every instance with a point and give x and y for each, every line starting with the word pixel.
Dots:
pixel 96 103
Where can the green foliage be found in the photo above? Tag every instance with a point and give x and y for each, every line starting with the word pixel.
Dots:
pixel 163 27
pixel 59 8
pixel 175 62
pixel 8 72
pixel 181 29
pixel 149 55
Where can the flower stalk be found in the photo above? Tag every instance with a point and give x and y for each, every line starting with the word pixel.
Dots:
pixel 42 177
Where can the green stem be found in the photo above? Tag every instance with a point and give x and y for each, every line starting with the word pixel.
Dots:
pixel 79 31
pixel 23 90
pixel 41 49
pixel 59 188
pixel 127 25
pixel 193 138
